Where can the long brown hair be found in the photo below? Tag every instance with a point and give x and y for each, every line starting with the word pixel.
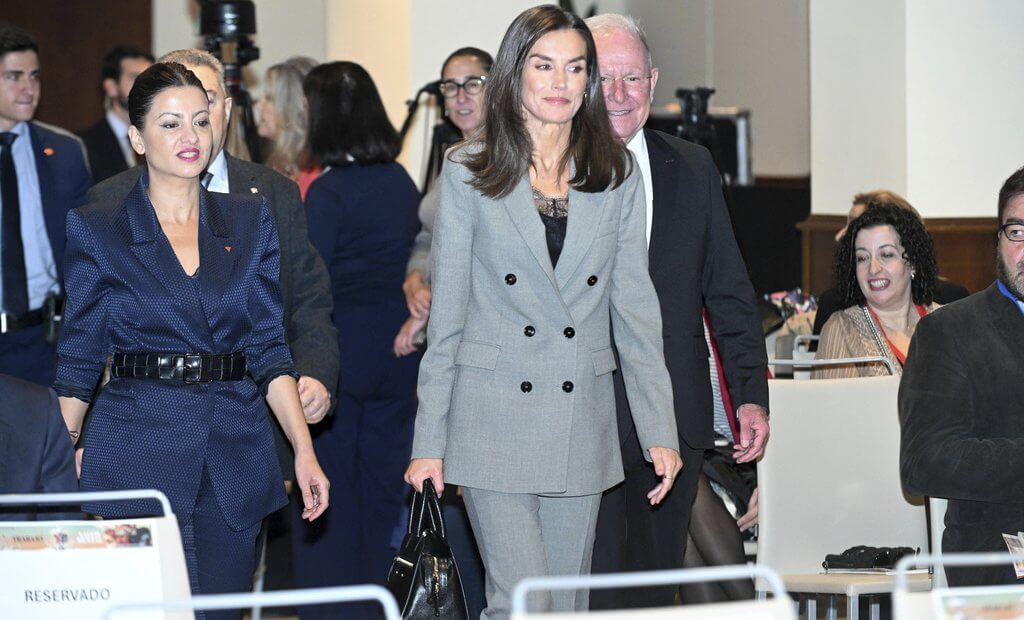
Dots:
pixel 600 160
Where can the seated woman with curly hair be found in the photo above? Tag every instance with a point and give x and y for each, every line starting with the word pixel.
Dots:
pixel 885 271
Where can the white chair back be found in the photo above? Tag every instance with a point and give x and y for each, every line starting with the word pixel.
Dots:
pixel 312 596
pixel 829 478
pixel 89 564
pixel 921 605
pixel 776 608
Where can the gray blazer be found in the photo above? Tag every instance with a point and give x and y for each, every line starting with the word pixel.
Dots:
pixel 516 388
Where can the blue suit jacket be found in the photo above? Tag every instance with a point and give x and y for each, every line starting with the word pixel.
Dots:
pixel 128 293
pixel 63 182
pixel 36 455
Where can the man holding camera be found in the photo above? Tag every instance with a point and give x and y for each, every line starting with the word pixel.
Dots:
pixel 43 175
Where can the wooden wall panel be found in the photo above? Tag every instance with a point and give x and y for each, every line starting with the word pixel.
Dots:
pixel 73 38
pixel 965 249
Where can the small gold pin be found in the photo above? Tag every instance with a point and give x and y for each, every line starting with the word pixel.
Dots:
pixel 254 190
pixel 48 151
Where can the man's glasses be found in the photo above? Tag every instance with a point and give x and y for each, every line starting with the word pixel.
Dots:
pixel 472 86
pixel 1013 232
pixel 630 82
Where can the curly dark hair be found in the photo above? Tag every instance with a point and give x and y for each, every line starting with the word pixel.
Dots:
pixel 918 251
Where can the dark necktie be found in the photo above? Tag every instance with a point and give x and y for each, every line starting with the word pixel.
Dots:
pixel 12 250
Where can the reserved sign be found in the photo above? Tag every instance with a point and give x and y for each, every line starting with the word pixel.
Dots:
pixel 77 569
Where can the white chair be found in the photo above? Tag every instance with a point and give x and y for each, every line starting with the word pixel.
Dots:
pixel 312 596
pixel 936 526
pixel 829 480
pixel 916 605
pixel 83 556
pixel 777 608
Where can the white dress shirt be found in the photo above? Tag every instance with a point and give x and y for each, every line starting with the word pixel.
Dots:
pixel 219 169
pixel 638 146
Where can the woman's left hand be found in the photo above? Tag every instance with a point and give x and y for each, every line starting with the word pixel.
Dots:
pixel 313 485
pixel 667 464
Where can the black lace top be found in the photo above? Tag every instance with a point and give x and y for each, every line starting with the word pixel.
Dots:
pixel 554 212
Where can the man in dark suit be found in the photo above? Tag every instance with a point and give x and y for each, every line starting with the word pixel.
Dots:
pixel 694 263
pixel 36 455
pixel 960 401
pixel 107 140
pixel 42 176
pixel 305 286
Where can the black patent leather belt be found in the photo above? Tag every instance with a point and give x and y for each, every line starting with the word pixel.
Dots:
pixel 11 323
pixel 187 367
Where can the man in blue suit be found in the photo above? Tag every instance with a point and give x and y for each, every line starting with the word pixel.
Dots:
pixel 43 175
pixel 35 450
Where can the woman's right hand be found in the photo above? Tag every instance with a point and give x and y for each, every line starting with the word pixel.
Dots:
pixel 417 295
pixel 422 469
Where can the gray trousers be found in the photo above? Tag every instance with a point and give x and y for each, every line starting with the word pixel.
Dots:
pixel 523 535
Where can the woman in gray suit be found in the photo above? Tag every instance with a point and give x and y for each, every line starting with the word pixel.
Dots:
pixel 516 397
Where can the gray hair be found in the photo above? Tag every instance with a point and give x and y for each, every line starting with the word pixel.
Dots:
pixel 198 58
pixel 607 22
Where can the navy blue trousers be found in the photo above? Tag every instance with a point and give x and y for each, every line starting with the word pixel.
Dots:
pixel 364 449
pixel 25 355
pixel 218 558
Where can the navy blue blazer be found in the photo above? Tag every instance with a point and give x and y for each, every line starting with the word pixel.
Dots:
pixel 63 182
pixel 36 455
pixel 128 293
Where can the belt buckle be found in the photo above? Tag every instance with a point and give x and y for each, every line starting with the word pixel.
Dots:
pixel 3 322
pixel 192 368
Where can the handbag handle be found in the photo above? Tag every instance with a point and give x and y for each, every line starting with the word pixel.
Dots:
pixel 426 504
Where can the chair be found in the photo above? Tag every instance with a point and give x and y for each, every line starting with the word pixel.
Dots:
pixel 311 596
pixel 936 526
pixel 829 480
pixel 778 607
pixel 916 605
pixel 90 563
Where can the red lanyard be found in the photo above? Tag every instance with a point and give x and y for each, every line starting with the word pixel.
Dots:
pixel 900 357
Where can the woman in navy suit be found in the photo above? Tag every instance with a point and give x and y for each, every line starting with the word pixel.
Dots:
pixel 179 287
pixel 363 220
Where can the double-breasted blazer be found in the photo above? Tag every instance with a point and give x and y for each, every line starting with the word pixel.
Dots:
pixel 127 292
pixel 516 386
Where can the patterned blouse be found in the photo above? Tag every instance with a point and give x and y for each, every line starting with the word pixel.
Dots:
pixel 554 212
pixel 853 333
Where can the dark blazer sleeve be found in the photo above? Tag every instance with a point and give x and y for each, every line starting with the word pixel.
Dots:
pixel 311 333
pixel 267 354
pixel 84 336
pixel 940 452
pixel 731 304
pixel 57 472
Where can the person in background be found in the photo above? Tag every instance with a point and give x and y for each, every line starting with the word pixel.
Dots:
pixel 961 419
pixel 362 221
pixel 178 288
pixel 36 454
pixel 885 275
pixel 830 302
pixel 43 175
pixel 697 271
pixel 107 140
pixel 463 79
pixel 516 387
pixel 282 121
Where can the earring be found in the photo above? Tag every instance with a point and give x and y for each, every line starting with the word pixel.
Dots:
pixel 912 274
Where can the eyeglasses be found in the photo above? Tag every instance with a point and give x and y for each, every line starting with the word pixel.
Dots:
pixel 472 86
pixel 1013 232
pixel 630 82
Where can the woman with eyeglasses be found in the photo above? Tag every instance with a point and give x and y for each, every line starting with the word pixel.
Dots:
pixel 463 80
pixel 885 272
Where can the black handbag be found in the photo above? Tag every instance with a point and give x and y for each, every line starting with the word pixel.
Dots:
pixel 423 577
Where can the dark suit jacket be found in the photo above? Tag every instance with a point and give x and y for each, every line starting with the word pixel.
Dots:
pixel 63 181
pixel 829 303
pixel 695 262
pixel 105 156
pixel 304 281
pixel 962 422
pixel 36 455
pixel 127 292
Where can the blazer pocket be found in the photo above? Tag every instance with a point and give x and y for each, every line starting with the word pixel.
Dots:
pixel 477 355
pixel 607 227
pixel 604 361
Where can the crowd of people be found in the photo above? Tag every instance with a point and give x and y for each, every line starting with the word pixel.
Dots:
pixel 560 333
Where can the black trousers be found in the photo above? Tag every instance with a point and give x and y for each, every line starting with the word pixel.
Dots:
pixel 634 536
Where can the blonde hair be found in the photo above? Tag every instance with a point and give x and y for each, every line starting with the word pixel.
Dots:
pixel 283 87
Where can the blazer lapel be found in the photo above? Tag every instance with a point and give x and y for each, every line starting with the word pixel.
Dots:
pixel 218 250
pixel 585 212
pixel 238 181
pixel 151 247
pixel 661 158
pixel 1006 317
pixel 520 207
pixel 54 209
